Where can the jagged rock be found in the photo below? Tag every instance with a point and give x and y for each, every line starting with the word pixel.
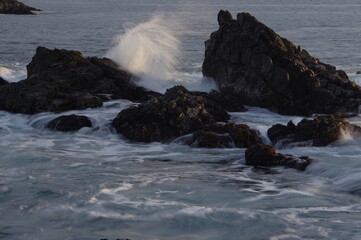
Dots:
pixel 61 80
pixel 15 7
pixel 321 130
pixel 162 118
pixel 225 136
pixel 266 156
pixel 69 123
pixel 249 60
pixel 3 81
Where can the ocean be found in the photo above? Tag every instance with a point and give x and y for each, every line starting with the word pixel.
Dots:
pixel 95 184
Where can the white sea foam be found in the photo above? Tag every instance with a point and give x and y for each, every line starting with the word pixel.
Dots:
pixel 12 75
pixel 152 51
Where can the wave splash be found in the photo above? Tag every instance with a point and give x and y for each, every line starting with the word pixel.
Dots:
pixel 12 75
pixel 152 51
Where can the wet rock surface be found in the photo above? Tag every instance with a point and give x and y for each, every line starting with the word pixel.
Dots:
pixel 15 7
pixel 250 61
pixel 61 80
pixel 162 118
pixel 322 131
pixel 266 156
pixel 229 135
pixel 69 123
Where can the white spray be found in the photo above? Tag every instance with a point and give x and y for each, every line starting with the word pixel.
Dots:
pixel 152 51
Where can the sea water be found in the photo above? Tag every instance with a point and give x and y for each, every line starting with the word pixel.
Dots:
pixel 95 184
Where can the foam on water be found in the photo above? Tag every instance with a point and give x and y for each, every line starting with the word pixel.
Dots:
pixel 12 75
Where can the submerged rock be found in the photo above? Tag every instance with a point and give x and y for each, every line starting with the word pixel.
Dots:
pixel 225 136
pixel 15 7
pixel 69 123
pixel 162 118
pixel 250 61
pixel 61 80
pixel 266 156
pixel 321 130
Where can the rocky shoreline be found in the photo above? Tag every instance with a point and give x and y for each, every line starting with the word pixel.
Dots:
pixel 251 64
pixel 16 7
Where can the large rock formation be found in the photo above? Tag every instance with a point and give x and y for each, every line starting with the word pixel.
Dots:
pixel 249 60
pixel 61 80
pixel 177 113
pixel 15 7
pixel 265 156
pixel 321 130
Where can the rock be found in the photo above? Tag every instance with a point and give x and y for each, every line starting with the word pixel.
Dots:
pixel 3 81
pixel 249 61
pixel 225 136
pixel 321 130
pixel 61 80
pixel 266 156
pixel 358 72
pixel 15 7
pixel 69 123
pixel 162 118
pixel 230 103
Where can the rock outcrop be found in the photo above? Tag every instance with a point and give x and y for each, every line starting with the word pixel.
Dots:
pixel 163 118
pixel 3 81
pixel 322 131
pixel 15 7
pixel 249 60
pixel 69 123
pixel 229 135
pixel 61 80
pixel 266 156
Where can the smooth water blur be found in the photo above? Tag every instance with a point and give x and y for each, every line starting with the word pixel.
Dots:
pixel 95 184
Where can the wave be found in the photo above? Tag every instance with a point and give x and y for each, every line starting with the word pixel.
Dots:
pixel 12 75
pixel 152 51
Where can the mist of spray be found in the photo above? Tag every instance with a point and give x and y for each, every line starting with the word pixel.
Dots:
pixel 152 51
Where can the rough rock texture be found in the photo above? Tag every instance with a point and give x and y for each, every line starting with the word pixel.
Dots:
pixel 321 130
pixel 225 136
pixel 3 81
pixel 249 60
pixel 266 156
pixel 358 72
pixel 177 113
pixel 15 7
pixel 69 123
pixel 60 80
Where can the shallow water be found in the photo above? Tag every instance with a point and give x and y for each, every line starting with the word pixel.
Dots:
pixel 95 184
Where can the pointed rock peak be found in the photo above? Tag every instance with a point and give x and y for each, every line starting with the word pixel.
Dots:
pixel 224 17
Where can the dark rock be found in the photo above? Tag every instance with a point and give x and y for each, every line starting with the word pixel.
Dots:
pixel 177 113
pixel 3 81
pixel 225 136
pixel 230 103
pixel 250 61
pixel 224 17
pixel 61 80
pixel 321 130
pixel 69 123
pixel 15 7
pixel 358 72
pixel 266 156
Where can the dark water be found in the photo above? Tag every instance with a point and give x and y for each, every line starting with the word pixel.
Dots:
pixel 94 184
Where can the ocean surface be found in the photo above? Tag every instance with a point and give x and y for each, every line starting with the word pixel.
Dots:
pixel 95 184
